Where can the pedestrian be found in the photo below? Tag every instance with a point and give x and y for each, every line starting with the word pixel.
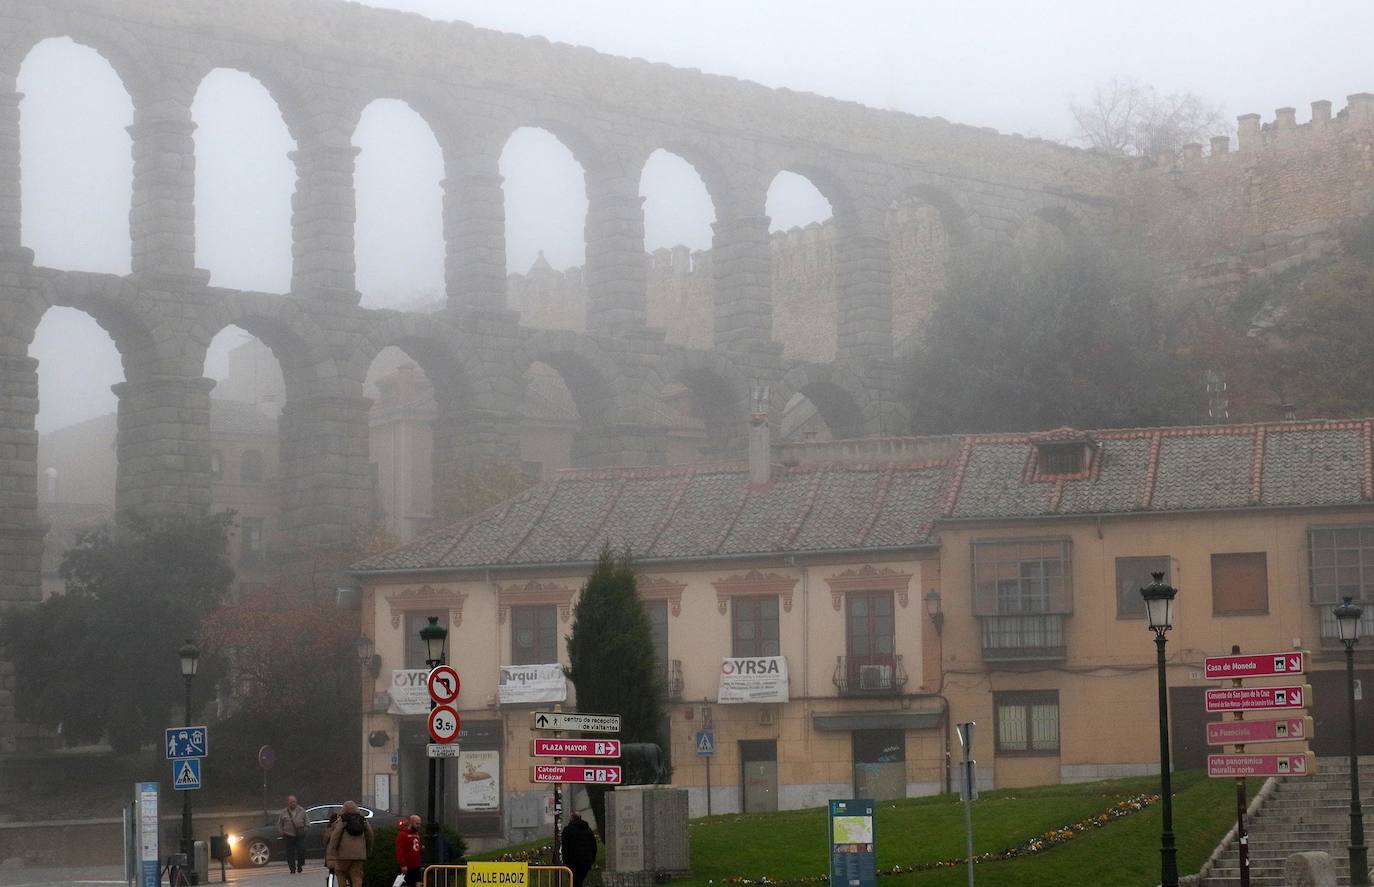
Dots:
pixel 579 848
pixel 408 852
pixel 291 823
pixel 330 862
pixel 350 843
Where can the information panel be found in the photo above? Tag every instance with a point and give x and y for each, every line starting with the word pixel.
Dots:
pixel 853 862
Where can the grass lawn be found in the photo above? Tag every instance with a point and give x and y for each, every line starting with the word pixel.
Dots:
pixel 1124 853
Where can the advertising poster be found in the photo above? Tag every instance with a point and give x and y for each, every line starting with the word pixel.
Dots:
pixel 479 780
pixel 753 679
pixel 532 683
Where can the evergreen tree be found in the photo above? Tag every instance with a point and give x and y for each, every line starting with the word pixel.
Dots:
pixel 611 651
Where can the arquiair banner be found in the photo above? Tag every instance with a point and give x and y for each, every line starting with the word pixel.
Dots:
pixel 532 683
pixel 753 679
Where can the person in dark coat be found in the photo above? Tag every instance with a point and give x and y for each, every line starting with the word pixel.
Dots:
pixel 579 848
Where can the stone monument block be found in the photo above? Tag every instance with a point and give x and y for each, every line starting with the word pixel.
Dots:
pixel 646 835
pixel 1310 869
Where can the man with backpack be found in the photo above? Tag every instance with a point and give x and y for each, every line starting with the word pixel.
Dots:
pixel 349 843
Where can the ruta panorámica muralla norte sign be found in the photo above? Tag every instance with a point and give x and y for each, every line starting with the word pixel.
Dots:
pixel 498 874
pixel 1257 698
pixel 753 679
pixel 1302 764
pixel 1258 665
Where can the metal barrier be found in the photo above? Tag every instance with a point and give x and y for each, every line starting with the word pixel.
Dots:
pixel 457 876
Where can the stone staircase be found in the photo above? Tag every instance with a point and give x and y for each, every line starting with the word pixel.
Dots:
pixel 1308 813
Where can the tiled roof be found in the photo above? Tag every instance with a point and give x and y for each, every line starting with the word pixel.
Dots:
pixel 700 512
pixel 690 512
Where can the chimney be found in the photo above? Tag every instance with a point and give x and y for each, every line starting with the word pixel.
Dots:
pixel 760 444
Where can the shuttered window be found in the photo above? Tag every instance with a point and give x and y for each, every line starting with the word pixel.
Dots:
pixel 1341 563
pixel 1022 577
pixel 1027 722
pixel 1240 583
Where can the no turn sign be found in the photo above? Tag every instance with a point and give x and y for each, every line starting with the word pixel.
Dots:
pixel 444 723
pixel 443 684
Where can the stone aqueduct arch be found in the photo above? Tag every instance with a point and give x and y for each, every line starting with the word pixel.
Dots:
pixel 474 88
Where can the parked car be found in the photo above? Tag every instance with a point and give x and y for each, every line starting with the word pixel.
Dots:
pixel 258 846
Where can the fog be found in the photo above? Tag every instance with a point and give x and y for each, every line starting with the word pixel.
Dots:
pixel 1008 65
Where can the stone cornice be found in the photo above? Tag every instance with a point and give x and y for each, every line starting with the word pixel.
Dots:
pixel 661 588
pixel 534 593
pixel 869 578
pixel 754 584
pixel 427 597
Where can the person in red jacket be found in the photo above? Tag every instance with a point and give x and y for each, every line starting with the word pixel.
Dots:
pixel 408 853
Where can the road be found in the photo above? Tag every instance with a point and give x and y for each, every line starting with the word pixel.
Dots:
pixel 273 875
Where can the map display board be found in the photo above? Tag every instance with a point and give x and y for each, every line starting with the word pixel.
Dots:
pixel 853 862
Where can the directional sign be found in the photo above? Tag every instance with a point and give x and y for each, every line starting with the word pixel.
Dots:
pixel 1262 765
pixel 436 750
pixel 575 748
pixel 186 774
pixel 706 743
pixel 1241 732
pixel 1254 666
pixel 603 775
pixel 443 684
pixel 1251 698
pixel 562 720
pixel 186 742
pixel 444 723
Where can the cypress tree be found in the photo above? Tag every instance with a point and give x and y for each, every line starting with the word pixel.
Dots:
pixel 611 651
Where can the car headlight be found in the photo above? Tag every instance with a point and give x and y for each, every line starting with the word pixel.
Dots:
pixel 233 839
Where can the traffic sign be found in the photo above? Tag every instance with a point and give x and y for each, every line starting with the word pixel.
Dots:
pixel 266 757
pixel 186 742
pixel 1251 698
pixel 444 723
pixel 437 750
pixel 561 720
pixel 1241 732
pixel 603 775
pixel 443 684
pixel 1258 665
pixel 186 774
pixel 706 743
pixel 1304 764
pixel 575 748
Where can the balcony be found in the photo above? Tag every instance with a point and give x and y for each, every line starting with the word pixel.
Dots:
pixel 673 681
pixel 869 675
pixel 1039 636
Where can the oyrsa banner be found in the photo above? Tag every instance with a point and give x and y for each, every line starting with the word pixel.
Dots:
pixel 409 695
pixel 753 679
pixel 532 683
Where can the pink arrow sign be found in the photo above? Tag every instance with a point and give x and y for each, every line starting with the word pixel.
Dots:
pixel 1251 698
pixel 1261 765
pixel 575 748
pixel 1240 732
pixel 604 775
pixel 1254 666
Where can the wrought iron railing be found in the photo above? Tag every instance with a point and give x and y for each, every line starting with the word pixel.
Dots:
pixel 674 680
pixel 1031 636
pixel 881 675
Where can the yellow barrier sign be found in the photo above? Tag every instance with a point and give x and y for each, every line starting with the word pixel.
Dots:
pixel 498 874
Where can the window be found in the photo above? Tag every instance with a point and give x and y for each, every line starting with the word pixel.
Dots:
pixel 879 764
pixel 657 611
pixel 252 467
pixel 1240 584
pixel 415 648
pixel 1022 577
pixel 1133 574
pixel 251 551
pixel 1027 722
pixel 1341 563
pixel 1061 459
pixel 754 626
pixel 869 633
pixel 534 634
pixel 216 464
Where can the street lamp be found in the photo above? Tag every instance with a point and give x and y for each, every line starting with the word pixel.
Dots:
pixel 1159 607
pixel 435 637
pixel 190 660
pixel 1348 624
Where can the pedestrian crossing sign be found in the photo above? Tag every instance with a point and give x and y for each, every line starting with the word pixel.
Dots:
pixel 186 774
pixel 706 743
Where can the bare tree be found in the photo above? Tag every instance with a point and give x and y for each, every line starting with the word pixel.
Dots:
pixel 1128 117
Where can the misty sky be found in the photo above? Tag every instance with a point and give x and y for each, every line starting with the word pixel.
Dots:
pixel 1010 65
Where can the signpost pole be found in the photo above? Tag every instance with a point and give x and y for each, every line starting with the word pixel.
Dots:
pixel 706 725
pixel 1242 839
pixel 558 808
pixel 967 789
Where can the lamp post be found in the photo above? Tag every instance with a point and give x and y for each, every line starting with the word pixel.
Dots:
pixel 190 659
pixel 435 637
pixel 1159 607
pixel 1348 622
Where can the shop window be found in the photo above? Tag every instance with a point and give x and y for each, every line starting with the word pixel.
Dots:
pixel 880 764
pixel 534 635
pixel 1240 584
pixel 754 626
pixel 1133 574
pixel 759 775
pixel 1027 722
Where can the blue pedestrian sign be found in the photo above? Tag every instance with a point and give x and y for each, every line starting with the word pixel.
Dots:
pixel 706 743
pixel 186 742
pixel 186 774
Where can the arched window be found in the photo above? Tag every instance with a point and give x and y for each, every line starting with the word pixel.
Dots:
pixel 805 306
pixel 678 214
